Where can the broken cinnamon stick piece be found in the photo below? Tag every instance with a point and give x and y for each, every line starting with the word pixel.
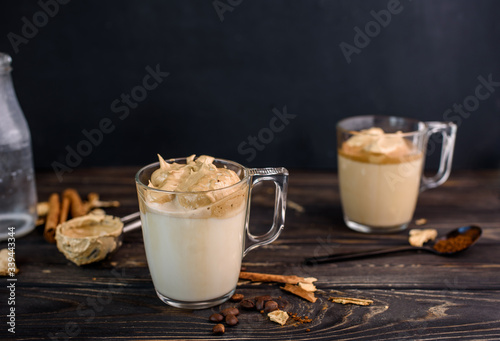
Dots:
pixel 296 290
pixel 42 208
pixel 307 286
pixel 52 218
pixel 260 277
pixel 95 202
pixel 77 208
pixel 350 300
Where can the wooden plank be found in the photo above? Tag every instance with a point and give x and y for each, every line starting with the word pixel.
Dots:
pixel 119 312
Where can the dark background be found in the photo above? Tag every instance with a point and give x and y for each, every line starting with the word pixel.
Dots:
pixel 226 76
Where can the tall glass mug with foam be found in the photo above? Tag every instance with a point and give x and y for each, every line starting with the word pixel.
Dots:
pixel 380 168
pixel 195 214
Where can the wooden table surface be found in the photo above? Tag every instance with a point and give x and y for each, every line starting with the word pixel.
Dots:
pixel 416 295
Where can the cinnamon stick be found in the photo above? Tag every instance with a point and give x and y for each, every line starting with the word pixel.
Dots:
pixel 77 207
pixel 260 277
pixel 64 209
pixel 52 218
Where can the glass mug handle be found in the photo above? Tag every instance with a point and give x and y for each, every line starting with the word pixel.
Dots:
pixel 448 130
pixel 280 178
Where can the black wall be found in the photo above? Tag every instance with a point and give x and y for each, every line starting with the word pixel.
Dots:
pixel 231 69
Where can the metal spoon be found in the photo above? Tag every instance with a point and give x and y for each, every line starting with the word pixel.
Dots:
pixel 134 219
pixel 474 232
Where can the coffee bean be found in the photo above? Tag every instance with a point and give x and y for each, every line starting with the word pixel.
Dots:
pixel 218 329
pixel 270 306
pixel 216 317
pixel 231 320
pixel 237 297
pixel 230 311
pixel 259 305
pixel 247 304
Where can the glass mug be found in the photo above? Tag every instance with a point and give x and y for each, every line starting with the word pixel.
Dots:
pixel 379 183
pixel 194 255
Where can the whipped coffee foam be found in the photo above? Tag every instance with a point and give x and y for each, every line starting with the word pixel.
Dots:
pixel 374 146
pixel 197 188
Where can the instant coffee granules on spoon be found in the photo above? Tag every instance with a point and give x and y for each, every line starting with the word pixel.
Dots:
pixel 456 243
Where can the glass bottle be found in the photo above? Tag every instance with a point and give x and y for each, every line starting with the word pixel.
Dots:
pixel 17 179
